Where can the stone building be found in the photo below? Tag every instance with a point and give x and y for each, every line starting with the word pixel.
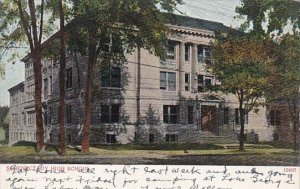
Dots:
pixel 281 117
pixel 170 98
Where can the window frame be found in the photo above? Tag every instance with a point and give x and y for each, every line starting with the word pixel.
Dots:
pixel 203 55
pixel 275 117
pixel 68 113
pixel 202 83
pixel 69 78
pixel 169 113
pixel 171 50
pixel 190 115
pixel 107 79
pixel 170 138
pixel 110 138
pixel 187 82
pixel 151 138
pixel 237 119
pixel 167 82
pixel 109 117
pixel 187 53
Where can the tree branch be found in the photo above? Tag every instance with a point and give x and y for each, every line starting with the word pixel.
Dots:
pixel 31 6
pixel 25 25
pixel 41 21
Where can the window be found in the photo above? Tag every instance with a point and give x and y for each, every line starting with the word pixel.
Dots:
pixel 151 138
pixel 50 84
pixel 110 138
pixel 275 117
pixel 30 118
pixel 168 81
pixel 110 113
pixel 105 43
pixel 187 52
pixel 45 118
pixel 204 81
pixel 50 115
pixel 237 117
pixel 68 113
pixel 24 118
pixel 69 136
pixel 171 50
pixel 28 69
pixel 170 114
pixel 204 54
pixel 226 115
pixel 200 83
pixel 187 82
pixel 190 115
pixel 30 92
pixel 171 137
pixel 69 78
pixel 45 88
pixel 207 54
pixel 111 77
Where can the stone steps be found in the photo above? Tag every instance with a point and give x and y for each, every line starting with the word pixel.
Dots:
pixel 208 137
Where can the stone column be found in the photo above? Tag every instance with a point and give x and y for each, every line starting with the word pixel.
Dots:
pixel 194 68
pixel 181 68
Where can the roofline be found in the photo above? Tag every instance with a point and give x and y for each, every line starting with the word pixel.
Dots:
pixel 209 33
pixel 16 87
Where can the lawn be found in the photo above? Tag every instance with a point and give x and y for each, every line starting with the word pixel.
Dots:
pixel 201 154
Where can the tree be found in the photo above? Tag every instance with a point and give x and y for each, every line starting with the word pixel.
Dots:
pixel 129 24
pixel 2 71
pixel 19 24
pixel 62 70
pixel 241 64
pixel 4 122
pixel 275 14
pixel 286 79
pixel 3 113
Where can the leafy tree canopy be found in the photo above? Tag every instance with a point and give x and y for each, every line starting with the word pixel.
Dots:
pixel 275 14
pixel 286 71
pixel 241 64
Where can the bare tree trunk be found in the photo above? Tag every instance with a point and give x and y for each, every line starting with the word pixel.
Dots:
pixel 242 122
pixel 37 66
pixel 62 69
pixel 88 93
pixel 38 99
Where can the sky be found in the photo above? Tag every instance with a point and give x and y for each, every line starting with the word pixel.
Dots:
pixel 215 10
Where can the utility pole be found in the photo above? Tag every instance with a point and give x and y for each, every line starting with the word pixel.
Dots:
pixel 138 95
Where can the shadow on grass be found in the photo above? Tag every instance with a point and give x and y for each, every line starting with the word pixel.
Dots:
pixel 162 146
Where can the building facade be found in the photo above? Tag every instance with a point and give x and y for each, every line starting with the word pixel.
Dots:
pixel 282 116
pixel 151 101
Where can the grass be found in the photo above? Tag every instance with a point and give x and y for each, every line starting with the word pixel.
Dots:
pixel 133 150
pixel 141 154
pixel 279 144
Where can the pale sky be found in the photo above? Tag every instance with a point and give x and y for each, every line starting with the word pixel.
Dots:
pixel 215 10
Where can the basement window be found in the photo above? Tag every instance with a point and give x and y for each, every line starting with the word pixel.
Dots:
pixel 151 138
pixel 171 137
pixel 111 138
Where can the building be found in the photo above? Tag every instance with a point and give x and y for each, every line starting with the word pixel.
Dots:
pixel 152 102
pixel 281 117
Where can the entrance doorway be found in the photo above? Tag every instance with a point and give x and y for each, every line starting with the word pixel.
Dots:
pixel 209 119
